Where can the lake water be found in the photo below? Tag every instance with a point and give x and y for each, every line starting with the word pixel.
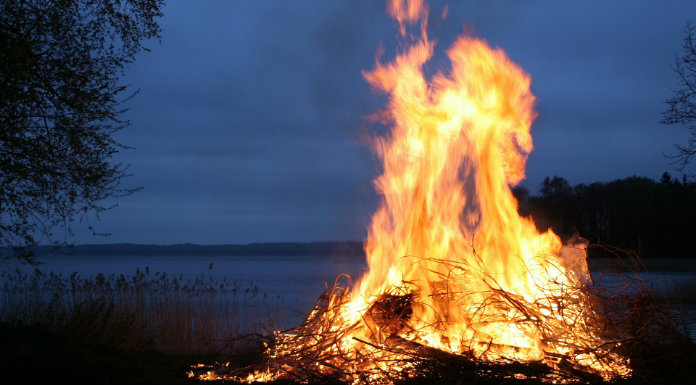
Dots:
pixel 298 281
pixel 662 283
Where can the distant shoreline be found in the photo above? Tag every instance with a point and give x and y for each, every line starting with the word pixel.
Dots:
pixel 334 248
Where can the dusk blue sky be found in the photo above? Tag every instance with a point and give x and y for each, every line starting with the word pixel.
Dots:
pixel 250 119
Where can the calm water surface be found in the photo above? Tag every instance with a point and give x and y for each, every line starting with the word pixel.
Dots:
pixel 298 280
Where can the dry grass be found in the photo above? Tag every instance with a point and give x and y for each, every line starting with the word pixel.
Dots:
pixel 143 311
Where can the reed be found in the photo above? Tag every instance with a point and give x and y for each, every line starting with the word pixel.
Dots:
pixel 144 311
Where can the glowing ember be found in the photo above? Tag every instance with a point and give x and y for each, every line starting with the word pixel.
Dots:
pixel 454 271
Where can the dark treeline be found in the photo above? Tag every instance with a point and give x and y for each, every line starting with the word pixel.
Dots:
pixel 653 218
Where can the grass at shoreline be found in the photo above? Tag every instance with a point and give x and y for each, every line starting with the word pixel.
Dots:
pixel 141 312
pixel 142 329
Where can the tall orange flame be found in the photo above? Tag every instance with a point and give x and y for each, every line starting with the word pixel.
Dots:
pixel 448 226
pixel 480 280
pixel 457 143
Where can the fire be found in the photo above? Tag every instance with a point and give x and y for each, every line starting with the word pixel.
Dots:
pixel 453 269
pixel 448 221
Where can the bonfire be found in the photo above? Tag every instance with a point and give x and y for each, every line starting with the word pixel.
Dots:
pixel 456 276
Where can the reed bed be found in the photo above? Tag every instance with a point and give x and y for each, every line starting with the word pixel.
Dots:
pixel 144 311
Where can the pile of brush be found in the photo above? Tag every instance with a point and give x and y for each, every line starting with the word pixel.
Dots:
pixel 635 331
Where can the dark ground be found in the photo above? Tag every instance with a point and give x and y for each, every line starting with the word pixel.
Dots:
pixel 31 355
